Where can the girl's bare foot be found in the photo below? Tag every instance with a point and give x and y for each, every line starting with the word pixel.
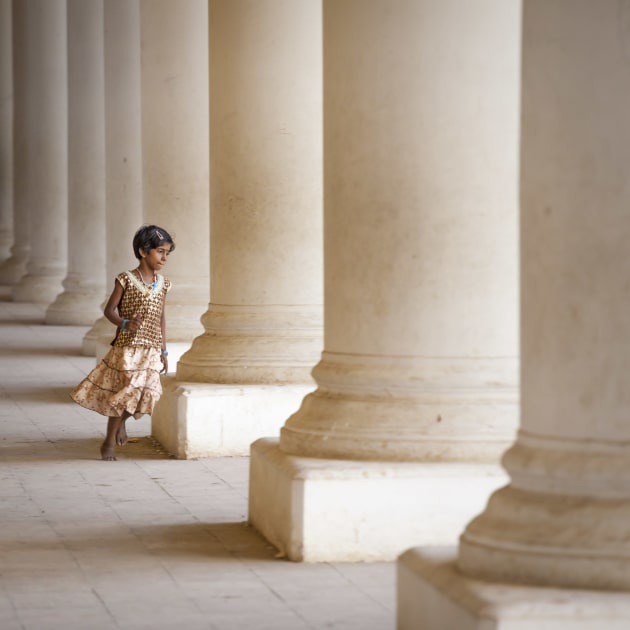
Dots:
pixel 108 448
pixel 108 453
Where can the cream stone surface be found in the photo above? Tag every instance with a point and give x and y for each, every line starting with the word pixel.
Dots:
pixel 264 322
pixel 564 520
pixel 417 385
pixel 406 409
pixel 320 510
pixel 146 542
pixel 47 156
pixel 13 269
pixel 562 523
pixel 123 152
pixel 401 117
pixel 420 358
pixel 203 420
pixel 174 80
pixel 6 131
pixel 80 302
pixel 434 595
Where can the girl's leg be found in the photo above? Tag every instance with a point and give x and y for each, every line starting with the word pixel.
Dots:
pixel 121 434
pixel 108 448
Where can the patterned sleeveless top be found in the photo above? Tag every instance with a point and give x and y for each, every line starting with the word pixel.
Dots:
pixel 146 301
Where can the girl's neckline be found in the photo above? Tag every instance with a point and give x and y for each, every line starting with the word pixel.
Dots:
pixel 152 289
pixel 147 284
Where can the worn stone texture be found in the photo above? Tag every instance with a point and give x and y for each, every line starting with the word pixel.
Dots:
pixel 147 541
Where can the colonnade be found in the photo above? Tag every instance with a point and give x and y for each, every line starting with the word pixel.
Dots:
pixel 343 187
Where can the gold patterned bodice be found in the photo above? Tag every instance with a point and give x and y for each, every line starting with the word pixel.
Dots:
pixel 146 301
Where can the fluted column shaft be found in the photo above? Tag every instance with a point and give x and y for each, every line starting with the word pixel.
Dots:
pixel 420 137
pixel 123 150
pixel 565 517
pixel 14 268
pixel 46 128
pixel 264 320
pixel 84 284
pixel 175 149
pixel 6 131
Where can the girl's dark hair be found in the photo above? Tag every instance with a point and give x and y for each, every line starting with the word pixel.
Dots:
pixel 150 237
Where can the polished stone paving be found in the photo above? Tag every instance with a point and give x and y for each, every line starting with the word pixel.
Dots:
pixel 147 542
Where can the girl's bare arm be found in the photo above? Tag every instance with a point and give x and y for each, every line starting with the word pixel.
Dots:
pixel 163 356
pixel 111 310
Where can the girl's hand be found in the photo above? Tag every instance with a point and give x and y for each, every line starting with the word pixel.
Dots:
pixel 164 369
pixel 134 324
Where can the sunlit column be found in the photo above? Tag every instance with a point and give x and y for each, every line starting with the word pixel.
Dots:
pixel 84 284
pixel 565 517
pixel 550 549
pixel 14 268
pixel 123 152
pixel 417 386
pixel 263 324
pixel 420 218
pixel 47 155
pixel 6 132
pixel 263 329
pixel 175 149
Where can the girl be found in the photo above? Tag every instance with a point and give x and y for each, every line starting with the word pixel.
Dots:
pixel 127 381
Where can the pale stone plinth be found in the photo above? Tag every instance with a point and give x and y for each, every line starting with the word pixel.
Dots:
pixel 204 420
pixel 322 510
pixel 433 595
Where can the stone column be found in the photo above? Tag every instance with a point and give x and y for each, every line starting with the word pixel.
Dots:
pixel 123 152
pixel 84 284
pixel 563 521
pixel 263 326
pixel 47 151
pixel 14 268
pixel 420 355
pixel 175 150
pixel 6 131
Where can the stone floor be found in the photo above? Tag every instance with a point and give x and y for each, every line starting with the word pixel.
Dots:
pixel 147 542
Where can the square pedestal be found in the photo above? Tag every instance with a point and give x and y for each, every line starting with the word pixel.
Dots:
pixel 195 420
pixel 322 510
pixel 433 595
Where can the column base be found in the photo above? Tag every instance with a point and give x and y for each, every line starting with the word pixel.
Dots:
pixel 72 308
pixel 37 289
pixel 194 420
pixel 433 595
pixel 13 270
pixel 325 510
pixel 101 328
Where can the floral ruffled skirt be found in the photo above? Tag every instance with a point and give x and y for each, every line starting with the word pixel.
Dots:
pixel 126 379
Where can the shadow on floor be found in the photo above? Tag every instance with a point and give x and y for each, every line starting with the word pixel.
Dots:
pixel 173 541
pixel 37 392
pixel 217 540
pixel 39 450
pixel 42 351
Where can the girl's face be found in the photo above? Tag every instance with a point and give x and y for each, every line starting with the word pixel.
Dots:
pixel 156 258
